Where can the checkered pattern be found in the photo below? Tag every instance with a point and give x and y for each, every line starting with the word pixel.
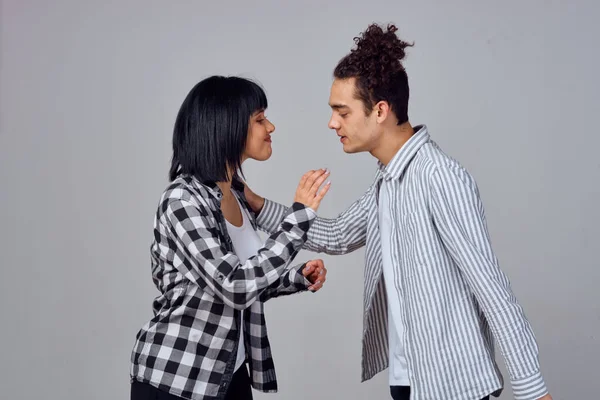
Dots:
pixel 189 347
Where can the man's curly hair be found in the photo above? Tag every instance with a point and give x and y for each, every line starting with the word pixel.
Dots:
pixel 376 63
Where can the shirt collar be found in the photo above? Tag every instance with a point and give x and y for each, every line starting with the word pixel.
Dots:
pixel 403 157
pixel 214 189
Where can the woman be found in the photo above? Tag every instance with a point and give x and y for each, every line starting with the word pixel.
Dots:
pixel 212 270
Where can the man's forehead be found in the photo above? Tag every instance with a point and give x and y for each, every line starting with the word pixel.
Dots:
pixel 338 102
pixel 343 85
pixel 342 92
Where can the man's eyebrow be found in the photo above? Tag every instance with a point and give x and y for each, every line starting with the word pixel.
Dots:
pixel 337 106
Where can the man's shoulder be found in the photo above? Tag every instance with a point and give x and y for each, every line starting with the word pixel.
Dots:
pixel 434 160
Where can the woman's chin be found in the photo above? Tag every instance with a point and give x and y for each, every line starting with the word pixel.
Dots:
pixel 261 157
pixel 265 155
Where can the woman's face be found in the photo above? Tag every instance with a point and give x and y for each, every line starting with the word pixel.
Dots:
pixel 258 144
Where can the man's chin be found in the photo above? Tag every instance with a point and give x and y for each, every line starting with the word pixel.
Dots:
pixel 350 150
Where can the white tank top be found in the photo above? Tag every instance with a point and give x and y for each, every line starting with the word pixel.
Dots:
pixel 246 244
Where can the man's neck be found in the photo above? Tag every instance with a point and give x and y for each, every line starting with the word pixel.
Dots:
pixel 392 141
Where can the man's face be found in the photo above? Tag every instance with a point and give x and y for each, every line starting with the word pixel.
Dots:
pixel 357 131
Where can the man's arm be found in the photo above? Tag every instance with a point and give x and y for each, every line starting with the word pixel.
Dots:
pixel 459 215
pixel 335 236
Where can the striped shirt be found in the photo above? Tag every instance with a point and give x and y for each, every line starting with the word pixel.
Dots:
pixel 456 299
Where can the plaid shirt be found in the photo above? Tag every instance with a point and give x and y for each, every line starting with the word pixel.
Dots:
pixel 189 347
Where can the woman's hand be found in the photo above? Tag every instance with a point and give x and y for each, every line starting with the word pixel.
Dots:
pixel 316 273
pixel 308 192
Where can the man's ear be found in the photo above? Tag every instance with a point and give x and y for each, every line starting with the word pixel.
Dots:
pixel 382 110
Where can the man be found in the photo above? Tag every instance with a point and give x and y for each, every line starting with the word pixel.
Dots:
pixel 433 286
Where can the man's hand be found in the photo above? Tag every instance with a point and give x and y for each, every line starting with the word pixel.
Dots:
pixel 316 273
pixel 546 397
pixel 256 202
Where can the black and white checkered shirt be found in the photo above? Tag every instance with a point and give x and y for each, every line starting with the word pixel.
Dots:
pixel 189 347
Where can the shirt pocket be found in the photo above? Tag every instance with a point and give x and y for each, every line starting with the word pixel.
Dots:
pixel 413 252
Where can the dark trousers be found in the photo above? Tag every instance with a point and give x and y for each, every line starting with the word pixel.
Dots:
pixel 239 389
pixel 403 393
pixel 240 386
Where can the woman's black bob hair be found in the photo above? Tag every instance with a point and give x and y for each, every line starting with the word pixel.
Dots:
pixel 211 128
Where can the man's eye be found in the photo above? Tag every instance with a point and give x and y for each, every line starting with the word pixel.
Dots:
pixel 343 115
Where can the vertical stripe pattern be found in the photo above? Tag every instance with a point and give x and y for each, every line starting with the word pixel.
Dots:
pixel 456 299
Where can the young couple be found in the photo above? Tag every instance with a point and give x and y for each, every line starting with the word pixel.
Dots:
pixel 435 298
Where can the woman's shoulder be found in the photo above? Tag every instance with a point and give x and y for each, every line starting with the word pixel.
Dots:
pixel 186 189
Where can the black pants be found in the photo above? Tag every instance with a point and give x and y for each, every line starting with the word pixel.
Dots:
pixel 403 393
pixel 239 389
pixel 240 386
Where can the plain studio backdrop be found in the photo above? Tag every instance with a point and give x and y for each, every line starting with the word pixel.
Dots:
pixel 89 94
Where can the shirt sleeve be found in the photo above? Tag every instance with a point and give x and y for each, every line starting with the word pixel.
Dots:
pixel 194 232
pixel 459 215
pixel 289 283
pixel 335 236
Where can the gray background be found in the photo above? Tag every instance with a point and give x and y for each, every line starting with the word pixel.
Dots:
pixel 89 93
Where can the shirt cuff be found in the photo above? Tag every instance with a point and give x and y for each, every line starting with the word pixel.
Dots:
pixel 300 279
pixel 532 387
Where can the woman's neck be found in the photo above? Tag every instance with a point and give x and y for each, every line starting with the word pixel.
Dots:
pixel 225 186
